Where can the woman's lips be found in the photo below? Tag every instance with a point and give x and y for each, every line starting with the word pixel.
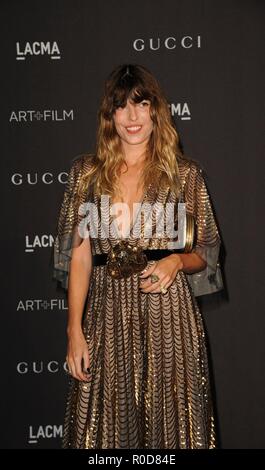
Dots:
pixel 133 129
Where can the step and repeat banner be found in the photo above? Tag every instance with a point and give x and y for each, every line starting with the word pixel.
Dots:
pixel 207 55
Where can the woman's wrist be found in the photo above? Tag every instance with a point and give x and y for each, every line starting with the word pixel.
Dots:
pixel 191 262
pixel 178 260
pixel 74 329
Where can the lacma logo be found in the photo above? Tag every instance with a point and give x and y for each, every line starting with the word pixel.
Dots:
pixel 50 431
pixel 43 241
pixel 181 110
pixel 36 48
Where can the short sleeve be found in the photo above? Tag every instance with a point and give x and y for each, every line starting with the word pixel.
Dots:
pixel 208 242
pixel 67 235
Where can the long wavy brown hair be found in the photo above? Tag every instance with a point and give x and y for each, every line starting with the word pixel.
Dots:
pixel 134 82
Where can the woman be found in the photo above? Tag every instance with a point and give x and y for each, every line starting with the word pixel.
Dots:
pixel 136 344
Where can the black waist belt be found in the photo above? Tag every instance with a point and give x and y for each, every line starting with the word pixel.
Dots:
pixel 101 259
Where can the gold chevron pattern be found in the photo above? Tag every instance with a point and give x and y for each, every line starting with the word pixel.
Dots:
pixel 149 385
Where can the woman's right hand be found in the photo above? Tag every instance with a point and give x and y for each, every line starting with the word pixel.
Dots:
pixel 78 355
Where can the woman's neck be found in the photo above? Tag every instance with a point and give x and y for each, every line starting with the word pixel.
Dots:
pixel 134 155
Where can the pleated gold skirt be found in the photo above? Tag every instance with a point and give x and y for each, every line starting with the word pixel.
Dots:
pixel 149 385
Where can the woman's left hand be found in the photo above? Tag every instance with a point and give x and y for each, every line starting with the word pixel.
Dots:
pixel 166 269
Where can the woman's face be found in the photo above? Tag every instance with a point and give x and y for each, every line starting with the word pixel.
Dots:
pixel 133 122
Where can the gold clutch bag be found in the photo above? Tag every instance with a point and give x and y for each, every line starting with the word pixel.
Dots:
pixel 190 223
pixel 190 232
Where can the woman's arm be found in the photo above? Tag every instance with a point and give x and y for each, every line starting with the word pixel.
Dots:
pixel 192 262
pixel 79 279
pixel 167 268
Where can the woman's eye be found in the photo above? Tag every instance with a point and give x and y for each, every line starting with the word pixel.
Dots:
pixel 144 103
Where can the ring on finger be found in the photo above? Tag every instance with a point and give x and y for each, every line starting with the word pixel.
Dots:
pixel 163 289
pixel 154 278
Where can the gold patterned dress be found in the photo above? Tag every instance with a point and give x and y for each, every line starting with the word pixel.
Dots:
pixel 149 385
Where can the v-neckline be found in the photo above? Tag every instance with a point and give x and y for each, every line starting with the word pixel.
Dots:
pixel 133 222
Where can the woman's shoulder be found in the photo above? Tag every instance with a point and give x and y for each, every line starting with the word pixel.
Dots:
pixel 82 163
pixel 188 166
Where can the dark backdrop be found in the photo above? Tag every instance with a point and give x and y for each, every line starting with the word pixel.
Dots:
pixel 56 55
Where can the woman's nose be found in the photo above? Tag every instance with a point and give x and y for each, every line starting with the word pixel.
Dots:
pixel 132 113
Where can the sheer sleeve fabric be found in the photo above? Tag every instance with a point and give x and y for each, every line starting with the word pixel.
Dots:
pixel 208 242
pixel 67 235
